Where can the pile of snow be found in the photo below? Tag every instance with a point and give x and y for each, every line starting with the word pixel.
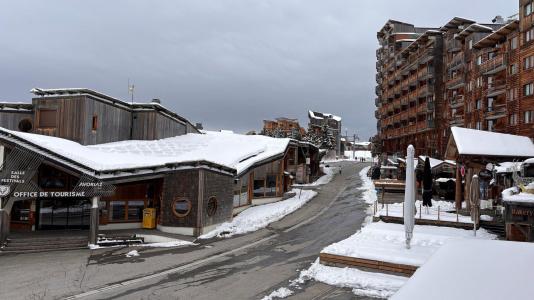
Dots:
pixel 175 243
pixel 234 151
pixel 474 269
pixel 132 253
pixel 447 211
pixel 259 217
pixel 326 178
pixel 282 292
pixel 386 242
pixel 369 194
pixel 366 284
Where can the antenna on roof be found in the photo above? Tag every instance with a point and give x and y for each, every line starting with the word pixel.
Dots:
pixel 131 89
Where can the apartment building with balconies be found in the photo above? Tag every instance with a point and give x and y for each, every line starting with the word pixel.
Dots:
pixel 522 117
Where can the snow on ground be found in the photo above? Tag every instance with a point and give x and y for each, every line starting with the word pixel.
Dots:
pixel 282 292
pixel 369 194
pixel 368 284
pixel 132 253
pixel 365 154
pixel 258 217
pixel 326 178
pixel 474 269
pixel 386 242
pixel 176 243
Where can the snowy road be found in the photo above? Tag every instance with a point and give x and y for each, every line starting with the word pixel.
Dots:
pixel 247 266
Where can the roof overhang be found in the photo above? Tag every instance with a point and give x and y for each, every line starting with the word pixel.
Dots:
pixel 498 36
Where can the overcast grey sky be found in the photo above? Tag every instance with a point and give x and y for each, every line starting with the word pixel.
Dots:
pixel 226 63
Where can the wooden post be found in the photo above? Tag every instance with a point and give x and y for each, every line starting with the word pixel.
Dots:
pixel 383 191
pixel 457 220
pixel 387 213
pixel 458 194
pixel 420 209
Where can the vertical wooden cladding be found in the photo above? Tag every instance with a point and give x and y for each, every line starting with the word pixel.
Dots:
pixel 113 122
pixel 151 125
pixel 64 113
pixel 10 120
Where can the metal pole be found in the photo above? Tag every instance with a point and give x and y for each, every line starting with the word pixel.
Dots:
pixel 420 209
pixel 438 212
pixel 93 227
pixel 387 213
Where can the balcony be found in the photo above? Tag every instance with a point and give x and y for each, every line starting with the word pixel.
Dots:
pixel 453 45
pixel 377 102
pixel 457 62
pixel 457 101
pixel 377 114
pixel 378 77
pixel 425 73
pixel 430 124
pixel 497 87
pixel 430 106
pixel 378 91
pixel 457 120
pixel 494 65
pixel 496 112
pixel 456 82
pixel 426 91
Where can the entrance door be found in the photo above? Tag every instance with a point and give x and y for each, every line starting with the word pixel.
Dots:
pixel 63 214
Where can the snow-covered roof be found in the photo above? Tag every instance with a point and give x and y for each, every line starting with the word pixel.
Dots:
pixel 508 167
pixel 233 151
pixel 463 265
pixel 486 143
pixel 321 116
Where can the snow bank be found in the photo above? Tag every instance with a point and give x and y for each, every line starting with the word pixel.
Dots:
pixel 176 243
pixel 513 195
pixel 480 142
pixel 279 293
pixel 258 217
pixel 474 269
pixel 386 242
pixel 326 178
pixel 367 284
pixel 369 194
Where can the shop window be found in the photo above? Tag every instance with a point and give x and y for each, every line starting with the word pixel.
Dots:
pixel 270 186
pixel 25 125
pixel 135 210
pixel 211 208
pixel 181 207
pixel 117 210
pixel 47 118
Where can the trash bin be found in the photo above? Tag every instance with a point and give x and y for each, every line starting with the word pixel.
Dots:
pixel 149 218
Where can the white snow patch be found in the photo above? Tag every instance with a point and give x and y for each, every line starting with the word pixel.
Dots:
pixel 369 194
pixel 176 243
pixel 326 178
pixel 132 253
pixel 386 242
pixel 279 293
pixel 258 217
pixel 363 283
pixel 480 142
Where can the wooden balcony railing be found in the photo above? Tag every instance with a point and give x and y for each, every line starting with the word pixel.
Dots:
pixel 494 65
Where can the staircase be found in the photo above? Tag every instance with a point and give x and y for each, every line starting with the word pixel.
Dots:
pixel 494 227
pixel 44 243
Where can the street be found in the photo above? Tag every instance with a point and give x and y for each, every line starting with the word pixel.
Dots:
pixel 244 267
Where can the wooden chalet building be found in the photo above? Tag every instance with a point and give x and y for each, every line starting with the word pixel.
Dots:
pixel 153 158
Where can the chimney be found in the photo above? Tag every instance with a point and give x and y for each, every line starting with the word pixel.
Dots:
pixel 498 20
pixel 156 100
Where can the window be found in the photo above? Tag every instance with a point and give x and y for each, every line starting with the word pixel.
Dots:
pixel 478 104
pixel 528 62
pixel 478 125
pixel 527 9
pixel 181 207
pixel 512 120
pixel 529 35
pixel 25 125
pixel 513 43
pixel 513 69
pixel 117 210
pixel 528 89
pixel 527 117
pixel 479 60
pixel 470 44
pixel 490 104
pixel 491 125
pixel 513 94
pixel 211 208
pixel 47 118
pixel 135 210
pixel 95 123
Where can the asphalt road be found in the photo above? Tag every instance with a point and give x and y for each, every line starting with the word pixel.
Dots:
pixel 243 267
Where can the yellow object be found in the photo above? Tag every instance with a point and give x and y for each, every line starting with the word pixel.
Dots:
pixel 149 218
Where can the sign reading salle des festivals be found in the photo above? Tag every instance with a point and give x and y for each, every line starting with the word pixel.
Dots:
pixel 20 167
